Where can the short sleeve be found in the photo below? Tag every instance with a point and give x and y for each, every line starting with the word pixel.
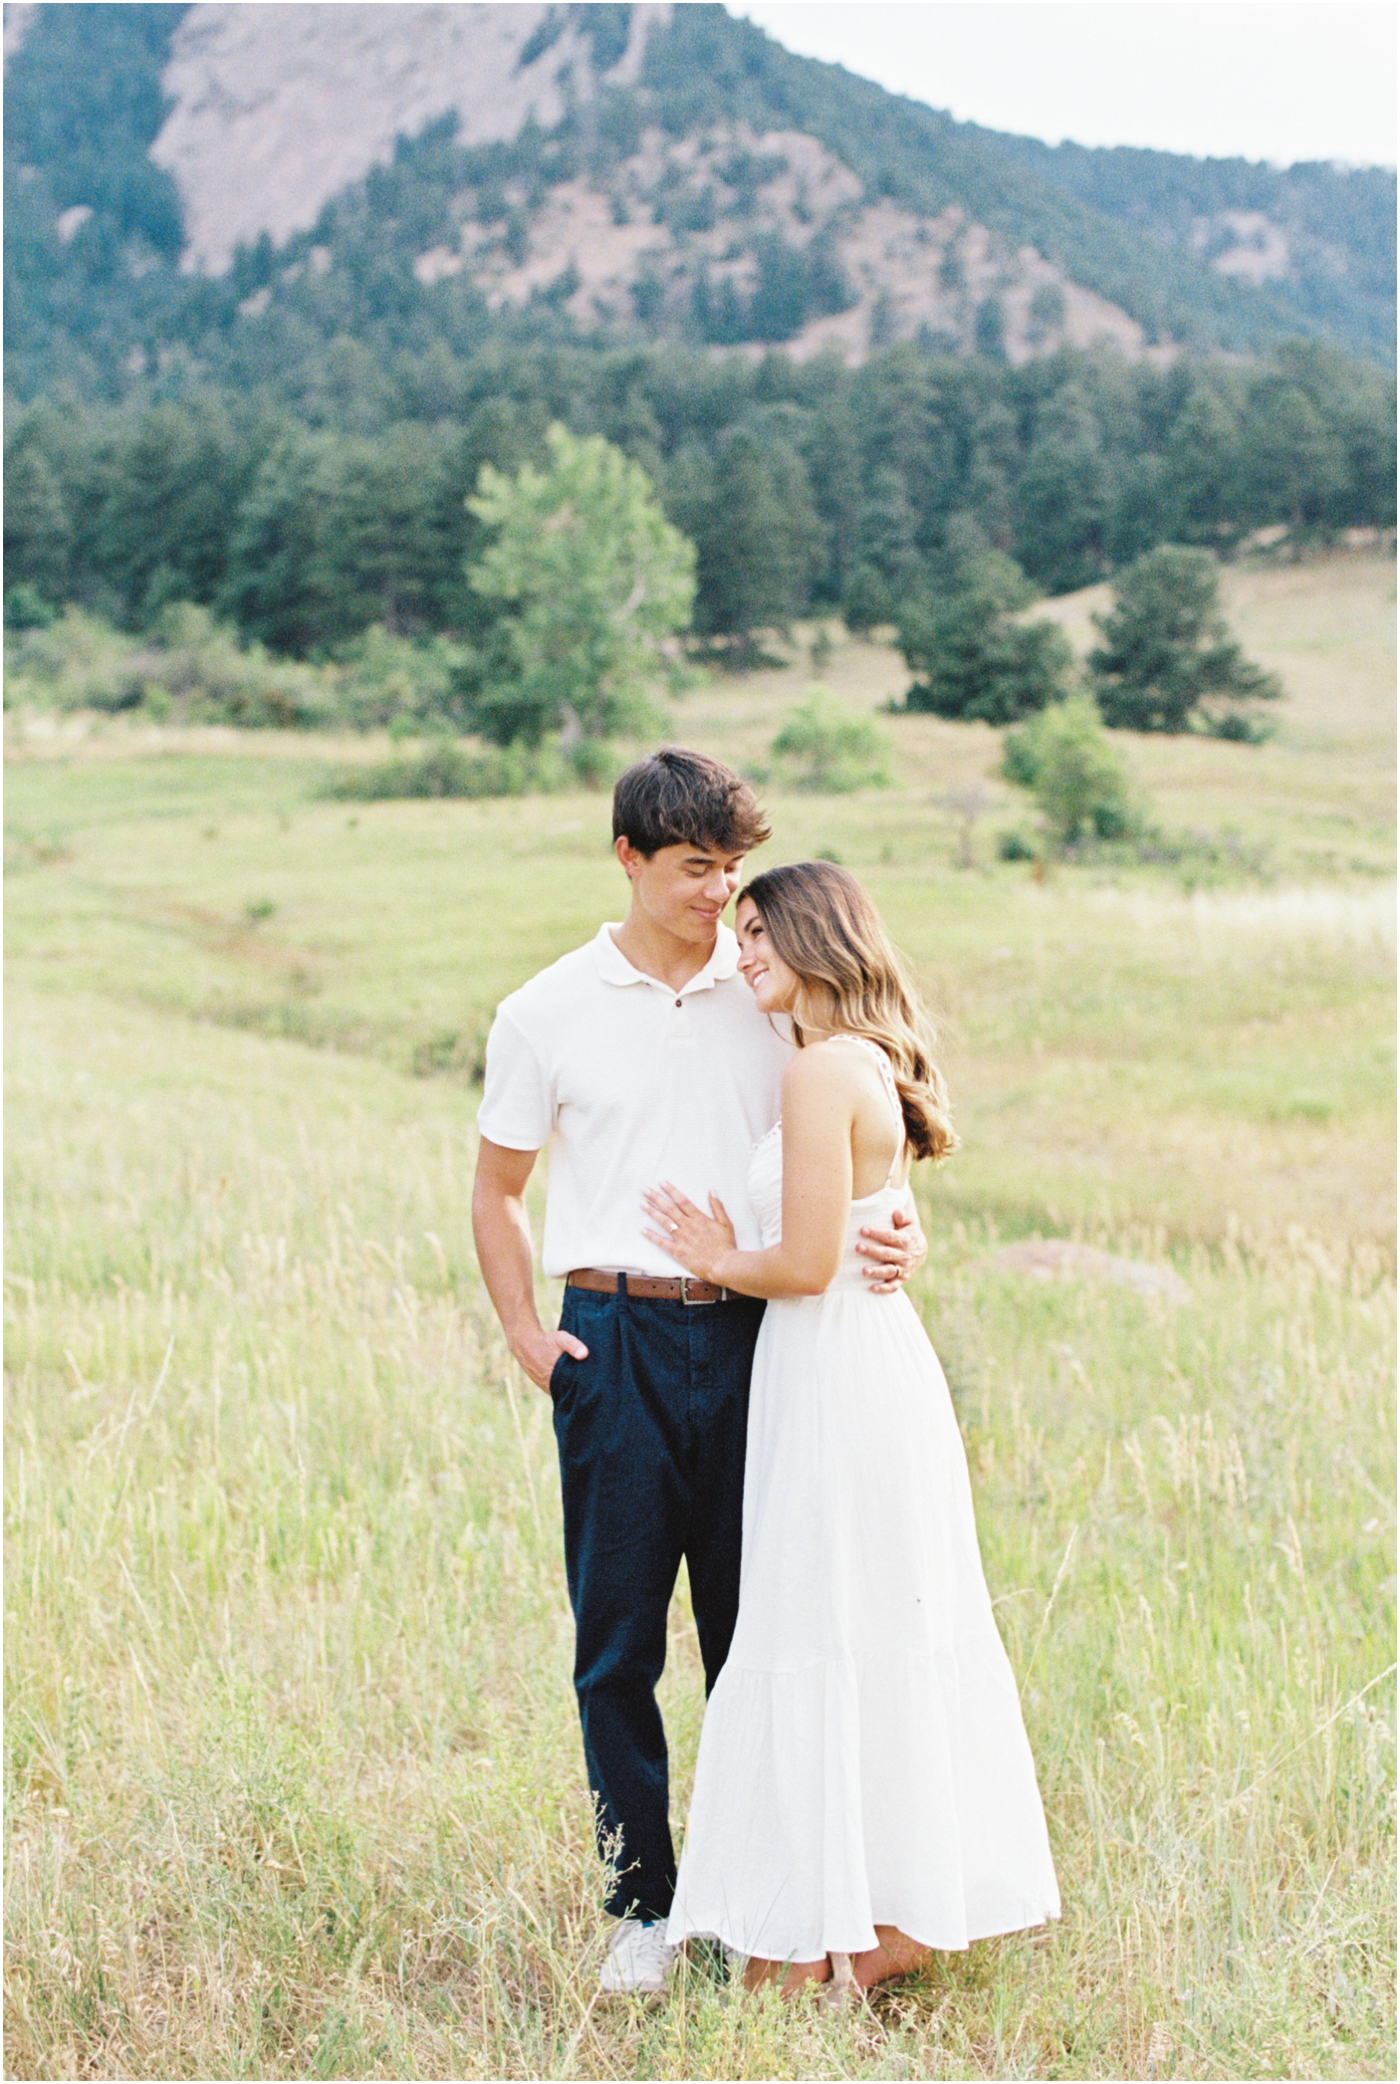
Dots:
pixel 517 1108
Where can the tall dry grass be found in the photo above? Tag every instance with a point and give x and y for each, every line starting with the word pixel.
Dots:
pixel 294 1781
pixel 293 1778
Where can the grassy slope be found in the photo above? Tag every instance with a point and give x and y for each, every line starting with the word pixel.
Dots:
pixel 398 925
pixel 293 1773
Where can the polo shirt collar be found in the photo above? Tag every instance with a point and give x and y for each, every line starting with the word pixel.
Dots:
pixel 614 968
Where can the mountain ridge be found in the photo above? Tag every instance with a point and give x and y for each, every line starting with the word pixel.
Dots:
pixel 621 172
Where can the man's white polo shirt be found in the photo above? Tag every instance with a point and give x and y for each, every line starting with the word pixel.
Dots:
pixel 628 1083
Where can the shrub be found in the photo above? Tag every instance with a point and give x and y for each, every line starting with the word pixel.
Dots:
pixel 596 762
pixel 1167 650
pixel 1020 761
pixel 193 669
pixel 26 609
pixel 1205 859
pixel 75 662
pixel 1076 776
pixel 200 664
pixel 190 668
pixel 1241 728
pixel 829 750
pixel 384 680
pixel 446 768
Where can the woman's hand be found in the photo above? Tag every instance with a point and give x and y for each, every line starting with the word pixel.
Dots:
pixel 699 1243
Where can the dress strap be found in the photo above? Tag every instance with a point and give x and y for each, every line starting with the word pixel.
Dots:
pixel 891 1092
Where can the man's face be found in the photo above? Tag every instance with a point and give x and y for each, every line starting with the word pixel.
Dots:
pixel 683 890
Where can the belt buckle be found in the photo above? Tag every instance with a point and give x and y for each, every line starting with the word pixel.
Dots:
pixel 696 1302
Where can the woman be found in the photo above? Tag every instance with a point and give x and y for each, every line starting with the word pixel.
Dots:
pixel 864 1791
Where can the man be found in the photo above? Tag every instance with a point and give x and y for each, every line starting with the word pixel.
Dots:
pixel 640 1057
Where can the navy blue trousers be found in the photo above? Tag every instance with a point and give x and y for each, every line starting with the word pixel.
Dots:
pixel 651 1431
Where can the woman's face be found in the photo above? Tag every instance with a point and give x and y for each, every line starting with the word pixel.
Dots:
pixel 768 977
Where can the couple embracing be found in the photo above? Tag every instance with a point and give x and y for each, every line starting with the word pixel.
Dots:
pixel 738 1379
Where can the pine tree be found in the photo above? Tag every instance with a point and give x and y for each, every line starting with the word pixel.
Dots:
pixel 1166 648
pixel 973 659
pixel 755 531
pixel 38 530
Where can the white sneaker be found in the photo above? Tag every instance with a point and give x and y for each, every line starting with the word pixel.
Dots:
pixel 638 1961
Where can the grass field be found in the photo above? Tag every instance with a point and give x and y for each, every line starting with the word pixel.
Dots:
pixel 293 1777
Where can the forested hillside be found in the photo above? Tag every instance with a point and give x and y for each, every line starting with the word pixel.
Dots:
pixel 803 485
pixel 291 443
pixel 1320 238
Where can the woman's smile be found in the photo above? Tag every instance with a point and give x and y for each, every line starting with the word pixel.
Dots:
pixel 770 980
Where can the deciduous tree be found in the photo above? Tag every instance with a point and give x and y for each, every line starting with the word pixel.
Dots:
pixel 592 579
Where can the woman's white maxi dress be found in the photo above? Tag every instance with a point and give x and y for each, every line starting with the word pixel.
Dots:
pixel 863 1759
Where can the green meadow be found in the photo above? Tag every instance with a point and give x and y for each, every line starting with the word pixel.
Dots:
pixel 294 1786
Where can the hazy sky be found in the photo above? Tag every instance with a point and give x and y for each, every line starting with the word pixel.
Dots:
pixel 1280 80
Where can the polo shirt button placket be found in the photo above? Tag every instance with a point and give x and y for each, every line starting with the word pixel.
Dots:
pixel 580 1058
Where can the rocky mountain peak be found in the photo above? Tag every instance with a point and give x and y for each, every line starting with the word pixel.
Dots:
pixel 624 173
pixel 277 109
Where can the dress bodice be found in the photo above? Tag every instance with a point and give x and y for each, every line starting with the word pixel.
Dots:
pixel 766 1189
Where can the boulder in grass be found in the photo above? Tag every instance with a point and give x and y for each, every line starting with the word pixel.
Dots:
pixel 1059 1259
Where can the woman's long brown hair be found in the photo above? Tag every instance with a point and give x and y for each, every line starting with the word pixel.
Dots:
pixel 853 981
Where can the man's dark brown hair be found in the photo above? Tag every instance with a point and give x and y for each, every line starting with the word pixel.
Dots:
pixel 675 798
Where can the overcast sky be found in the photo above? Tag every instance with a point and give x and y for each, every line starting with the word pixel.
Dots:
pixel 1280 80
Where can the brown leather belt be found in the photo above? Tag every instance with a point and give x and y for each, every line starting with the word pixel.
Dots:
pixel 650 1287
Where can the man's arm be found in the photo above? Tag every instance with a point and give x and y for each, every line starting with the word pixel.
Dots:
pixel 898 1255
pixel 506 1257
